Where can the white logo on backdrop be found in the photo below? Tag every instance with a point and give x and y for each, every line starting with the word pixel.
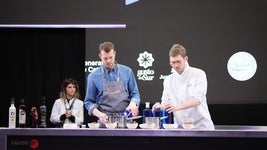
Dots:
pixel 145 60
pixel 242 66
pixel 91 65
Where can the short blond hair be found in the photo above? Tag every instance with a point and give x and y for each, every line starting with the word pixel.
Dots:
pixel 177 49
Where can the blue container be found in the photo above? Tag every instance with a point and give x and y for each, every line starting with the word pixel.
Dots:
pixel 157 113
pixel 163 113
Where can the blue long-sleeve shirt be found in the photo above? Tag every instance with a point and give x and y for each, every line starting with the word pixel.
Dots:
pixel 94 87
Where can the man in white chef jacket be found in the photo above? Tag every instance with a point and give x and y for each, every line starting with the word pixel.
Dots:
pixel 184 92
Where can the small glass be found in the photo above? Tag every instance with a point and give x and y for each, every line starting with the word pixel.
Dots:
pixel 154 120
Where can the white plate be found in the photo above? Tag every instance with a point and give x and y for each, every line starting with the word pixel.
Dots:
pixel 93 125
pixel 132 125
pixel 168 126
pixel 70 126
pixel 147 126
pixel 188 125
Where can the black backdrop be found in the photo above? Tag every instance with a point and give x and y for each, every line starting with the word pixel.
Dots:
pixel 211 31
pixel 35 62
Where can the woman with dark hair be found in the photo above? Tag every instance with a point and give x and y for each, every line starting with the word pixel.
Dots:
pixel 68 108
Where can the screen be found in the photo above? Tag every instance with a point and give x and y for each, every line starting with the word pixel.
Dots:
pixel 214 33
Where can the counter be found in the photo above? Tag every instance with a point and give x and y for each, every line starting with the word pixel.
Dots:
pixel 223 137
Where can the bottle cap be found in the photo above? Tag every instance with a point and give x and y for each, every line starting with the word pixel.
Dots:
pixel 42 100
pixel 147 104
pixel 12 100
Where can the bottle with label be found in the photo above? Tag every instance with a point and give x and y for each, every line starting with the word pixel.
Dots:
pixel 34 117
pixel 42 113
pixel 22 114
pixel 12 114
pixel 147 112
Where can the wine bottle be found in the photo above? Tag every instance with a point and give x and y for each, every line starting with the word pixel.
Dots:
pixel 22 114
pixel 42 113
pixel 34 117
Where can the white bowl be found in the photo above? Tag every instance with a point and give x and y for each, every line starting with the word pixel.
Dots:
pixel 132 125
pixel 147 125
pixel 188 125
pixel 110 125
pixel 168 126
pixel 93 125
pixel 70 126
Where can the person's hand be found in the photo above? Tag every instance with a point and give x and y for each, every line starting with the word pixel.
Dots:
pixel 156 106
pixel 103 118
pixel 170 107
pixel 133 108
pixel 68 113
pixel 63 117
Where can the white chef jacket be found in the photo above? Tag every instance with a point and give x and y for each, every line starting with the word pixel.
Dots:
pixel 60 107
pixel 179 88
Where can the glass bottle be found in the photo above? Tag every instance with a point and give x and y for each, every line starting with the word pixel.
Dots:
pixel 147 112
pixel 42 113
pixel 34 117
pixel 22 114
pixel 12 114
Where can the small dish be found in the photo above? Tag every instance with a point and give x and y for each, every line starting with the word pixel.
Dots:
pixel 188 125
pixel 111 125
pixel 93 125
pixel 70 126
pixel 168 126
pixel 147 125
pixel 132 125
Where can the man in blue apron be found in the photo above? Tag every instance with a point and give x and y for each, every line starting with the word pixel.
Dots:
pixel 111 88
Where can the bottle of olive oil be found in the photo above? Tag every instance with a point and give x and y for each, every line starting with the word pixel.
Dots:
pixel 12 114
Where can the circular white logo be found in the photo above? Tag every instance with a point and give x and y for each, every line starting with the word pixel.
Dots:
pixel 242 66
